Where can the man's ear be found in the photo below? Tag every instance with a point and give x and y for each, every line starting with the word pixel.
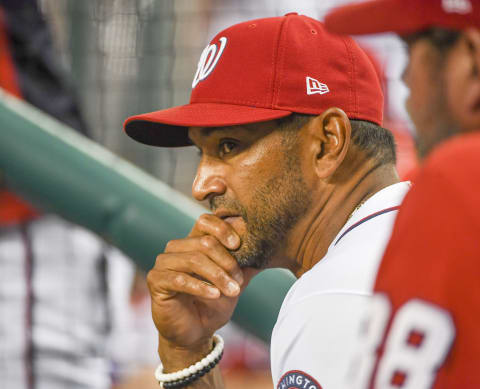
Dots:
pixel 472 36
pixel 472 92
pixel 330 135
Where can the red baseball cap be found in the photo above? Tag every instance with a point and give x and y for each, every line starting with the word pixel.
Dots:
pixel 267 69
pixel 403 16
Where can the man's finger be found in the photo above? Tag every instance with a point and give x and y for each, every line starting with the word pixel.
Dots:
pixel 164 285
pixel 211 247
pixel 208 224
pixel 199 265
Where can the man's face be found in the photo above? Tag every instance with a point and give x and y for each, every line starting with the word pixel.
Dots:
pixel 427 102
pixel 252 177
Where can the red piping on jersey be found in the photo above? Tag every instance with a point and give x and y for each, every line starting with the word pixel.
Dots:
pixel 365 219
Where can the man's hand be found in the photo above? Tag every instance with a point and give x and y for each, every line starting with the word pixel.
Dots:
pixel 195 285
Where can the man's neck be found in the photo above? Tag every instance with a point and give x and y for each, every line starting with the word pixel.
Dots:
pixel 313 235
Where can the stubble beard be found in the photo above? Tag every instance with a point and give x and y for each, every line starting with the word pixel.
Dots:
pixel 444 128
pixel 444 125
pixel 276 207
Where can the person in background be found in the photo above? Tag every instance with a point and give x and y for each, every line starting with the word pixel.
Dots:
pixel 421 328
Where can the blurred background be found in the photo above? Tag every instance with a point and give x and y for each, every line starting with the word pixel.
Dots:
pixel 117 58
pixel 133 56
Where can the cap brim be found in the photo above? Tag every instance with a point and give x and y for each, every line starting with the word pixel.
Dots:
pixel 376 16
pixel 169 127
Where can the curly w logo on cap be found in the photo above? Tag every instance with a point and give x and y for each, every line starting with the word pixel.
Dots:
pixel 208 61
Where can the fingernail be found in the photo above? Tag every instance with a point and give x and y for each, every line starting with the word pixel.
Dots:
pixel 214 292
pixel 233 287
pixel 238 276
pixel 232 241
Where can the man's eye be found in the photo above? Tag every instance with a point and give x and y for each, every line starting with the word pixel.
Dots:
pixel 226 147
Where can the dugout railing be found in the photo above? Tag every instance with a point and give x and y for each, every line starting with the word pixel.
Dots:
pixel 65 173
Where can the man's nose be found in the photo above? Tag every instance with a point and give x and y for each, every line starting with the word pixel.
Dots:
pixel 209 181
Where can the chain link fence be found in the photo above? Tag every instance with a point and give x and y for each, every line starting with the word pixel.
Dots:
pixel 133 56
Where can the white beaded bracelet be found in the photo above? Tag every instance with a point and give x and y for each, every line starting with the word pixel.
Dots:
pixel 183 375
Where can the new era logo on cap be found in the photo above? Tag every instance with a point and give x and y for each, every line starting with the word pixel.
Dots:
pixel 315 86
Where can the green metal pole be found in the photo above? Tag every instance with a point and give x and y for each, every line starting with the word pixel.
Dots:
pixel 65 173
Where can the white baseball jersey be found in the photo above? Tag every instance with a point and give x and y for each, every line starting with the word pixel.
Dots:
pixel 55 307
pixel 319 319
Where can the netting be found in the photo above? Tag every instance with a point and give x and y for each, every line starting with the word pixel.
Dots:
pixel 133 56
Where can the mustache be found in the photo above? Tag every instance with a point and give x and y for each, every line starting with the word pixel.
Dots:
pixel 230 204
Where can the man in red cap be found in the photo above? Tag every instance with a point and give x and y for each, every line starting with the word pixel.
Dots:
pixel 298 174
pixel 422 326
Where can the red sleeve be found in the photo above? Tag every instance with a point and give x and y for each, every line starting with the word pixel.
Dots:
pixel 434 253
pixel 8 75
pixel 12 209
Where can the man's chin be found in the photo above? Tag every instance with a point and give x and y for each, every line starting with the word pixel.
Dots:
pixel 249 263
pixel 245 260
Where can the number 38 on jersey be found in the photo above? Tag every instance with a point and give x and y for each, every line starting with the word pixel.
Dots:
pixel 415 346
